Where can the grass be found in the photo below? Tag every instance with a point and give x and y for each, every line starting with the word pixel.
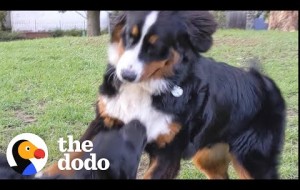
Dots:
pixel 49 86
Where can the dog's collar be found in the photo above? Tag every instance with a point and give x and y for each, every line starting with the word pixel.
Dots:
pixel 157 87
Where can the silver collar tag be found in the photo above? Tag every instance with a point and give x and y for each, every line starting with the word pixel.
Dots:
pixel 177 91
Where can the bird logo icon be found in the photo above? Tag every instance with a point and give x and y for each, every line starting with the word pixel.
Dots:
pixel 27 154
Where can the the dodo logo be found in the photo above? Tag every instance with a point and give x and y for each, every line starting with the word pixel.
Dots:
pixel 27 154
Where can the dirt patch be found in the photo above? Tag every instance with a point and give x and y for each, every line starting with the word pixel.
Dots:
pixel 144 163
pixel 292 112
pixel 24 117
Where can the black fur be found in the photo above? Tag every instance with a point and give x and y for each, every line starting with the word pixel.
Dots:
pixel 6 172
pixel 111 84
pixel 122 147
pixel 200 25
pixel 243 109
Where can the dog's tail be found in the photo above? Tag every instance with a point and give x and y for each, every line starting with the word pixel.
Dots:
pixel 275 98
pixel 253 64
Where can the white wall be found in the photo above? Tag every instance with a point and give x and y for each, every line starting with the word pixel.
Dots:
pixel 35 21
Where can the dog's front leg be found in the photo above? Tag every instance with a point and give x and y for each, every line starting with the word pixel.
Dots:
pixel 164 163
pixel 166 153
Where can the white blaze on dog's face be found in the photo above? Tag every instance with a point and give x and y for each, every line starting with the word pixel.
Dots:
pixel 130 67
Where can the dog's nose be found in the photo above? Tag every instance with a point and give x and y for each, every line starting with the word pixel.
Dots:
pixel 128 75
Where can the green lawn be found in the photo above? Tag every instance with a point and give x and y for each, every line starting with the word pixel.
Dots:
pixel 49 86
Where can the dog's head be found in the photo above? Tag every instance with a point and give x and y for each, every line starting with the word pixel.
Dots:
pixel 148 44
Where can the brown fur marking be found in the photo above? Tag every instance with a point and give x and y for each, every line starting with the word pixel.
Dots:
pixel 152 166
pixel 159 69
pixel 117 39
pixel 164 139
pixel 135 31
pixel 213 161
pixel 240 170
pixel 116 34
pixel 54 170
pixel 108 121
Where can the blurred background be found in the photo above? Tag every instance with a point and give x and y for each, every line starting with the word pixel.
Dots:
pixel 38 24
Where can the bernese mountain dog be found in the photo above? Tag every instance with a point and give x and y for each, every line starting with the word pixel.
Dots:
pixel 193 107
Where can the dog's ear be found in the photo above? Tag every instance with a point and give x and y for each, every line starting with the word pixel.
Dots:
pixel 116 47
pixel 200 25
pixel 117 25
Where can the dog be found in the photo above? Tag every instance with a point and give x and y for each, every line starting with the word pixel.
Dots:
pixel 122 147
pixel 193 107
pixel 6 172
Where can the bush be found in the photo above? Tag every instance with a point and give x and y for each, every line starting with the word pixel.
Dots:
pixel 73 32
pixel 61 33
pixel 57 33
pixel 105 31
pixel 9 36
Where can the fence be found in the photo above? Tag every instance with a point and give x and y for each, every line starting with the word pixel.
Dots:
pixel 41 26
pixel 41 21
pixel 236 19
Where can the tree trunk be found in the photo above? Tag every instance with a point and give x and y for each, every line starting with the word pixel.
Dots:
pixel 236 19
pixel 7 23
pixel 93 23
pixel 250 17
pixel 283 20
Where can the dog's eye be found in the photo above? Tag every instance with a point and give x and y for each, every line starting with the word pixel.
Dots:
pixel 131 40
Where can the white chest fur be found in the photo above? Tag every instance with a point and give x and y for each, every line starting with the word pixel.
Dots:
pixel 134 102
